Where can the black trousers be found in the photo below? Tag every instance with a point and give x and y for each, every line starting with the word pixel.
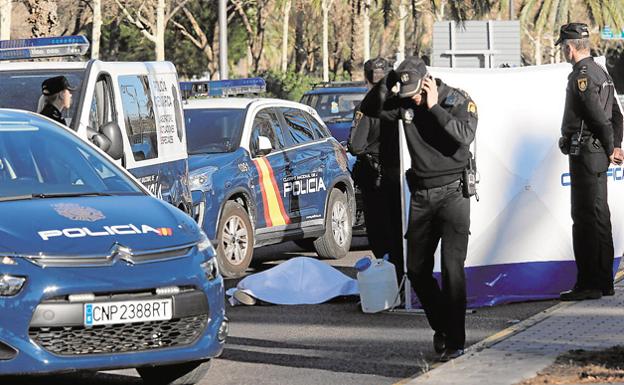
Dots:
pixel 591 230
pixel 382 212
pixel 440 214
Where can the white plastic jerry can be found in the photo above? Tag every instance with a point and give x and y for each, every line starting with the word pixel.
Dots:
pixel 378 284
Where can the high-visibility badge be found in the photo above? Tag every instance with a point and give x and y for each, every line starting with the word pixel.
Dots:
pixel 582 84
pixel 472 108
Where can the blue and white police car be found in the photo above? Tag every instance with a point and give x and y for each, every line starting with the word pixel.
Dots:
pixel 93 268
pixel 132 110
pixel 264 171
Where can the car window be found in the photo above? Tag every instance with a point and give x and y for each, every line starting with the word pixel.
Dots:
pixel 337 107
pixel 102 110
pixel 318 129
pixel 213 130
pixel 298 130
pixel 266 124
pixel 140 120
pixel 21 89
pixel 38 159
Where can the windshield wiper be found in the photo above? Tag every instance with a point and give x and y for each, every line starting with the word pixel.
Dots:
pixel 15 198
pixel 338 119
pixel 70 194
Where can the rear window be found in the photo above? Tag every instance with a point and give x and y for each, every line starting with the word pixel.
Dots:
pixel 335 107
pixel 213 130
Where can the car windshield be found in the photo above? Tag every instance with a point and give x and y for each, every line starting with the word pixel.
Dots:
pixel 335 107
pixel 22 89
pixel 40 160
pixel 213 130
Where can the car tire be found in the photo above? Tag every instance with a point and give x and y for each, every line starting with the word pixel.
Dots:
pixel 336 241
pixel 187 373
pixel 235 237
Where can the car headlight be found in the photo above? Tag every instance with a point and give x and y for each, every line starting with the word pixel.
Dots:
pixel 201 179
pixel 10 285
pixel 211 268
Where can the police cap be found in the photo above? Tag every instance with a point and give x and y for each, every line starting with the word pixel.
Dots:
pixel 55 85
pixel 411 72
pixel 375 69
pixel 573 31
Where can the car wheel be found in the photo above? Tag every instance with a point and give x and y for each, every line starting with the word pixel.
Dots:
pixel 188 373
pixel 336 241
pixel 306 244
pixel 236 240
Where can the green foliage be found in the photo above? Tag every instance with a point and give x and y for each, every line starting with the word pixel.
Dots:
pixel 289 85
pixel 122 42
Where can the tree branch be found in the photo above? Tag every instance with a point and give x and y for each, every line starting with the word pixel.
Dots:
pixel 137 23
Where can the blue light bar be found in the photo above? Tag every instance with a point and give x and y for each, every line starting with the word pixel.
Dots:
pixel 43 47
pixel 222 88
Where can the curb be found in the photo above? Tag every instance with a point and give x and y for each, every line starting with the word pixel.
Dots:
pixel 506 333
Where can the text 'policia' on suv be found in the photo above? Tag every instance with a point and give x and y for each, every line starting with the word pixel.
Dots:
pixel 264 171
pixel 94 272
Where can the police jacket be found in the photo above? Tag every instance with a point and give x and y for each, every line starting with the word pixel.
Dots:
pixel 591 104
pixel 438 139
pixel 373 136
pixel 53 113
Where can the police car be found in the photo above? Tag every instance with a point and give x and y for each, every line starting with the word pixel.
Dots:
pixel 335 103
pixel 132 110
pixel 264 171
pixel 93 268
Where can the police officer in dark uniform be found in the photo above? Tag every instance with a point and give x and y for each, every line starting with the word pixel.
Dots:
pixel 440 123
pixel 56 96
pixel 591 136
pixel 376 151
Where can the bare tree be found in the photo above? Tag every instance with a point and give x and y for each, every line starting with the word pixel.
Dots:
pixel 6 7
pixel 253 14
pixel 366 28
pixel 285 20
pixel 97 29
pixel 151 18
pixel 326 6
pixel 43 17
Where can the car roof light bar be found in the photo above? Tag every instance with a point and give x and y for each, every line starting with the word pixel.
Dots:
pixel 222 88
pixel 43 47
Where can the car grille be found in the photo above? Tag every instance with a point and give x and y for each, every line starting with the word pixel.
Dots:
pixel 79 340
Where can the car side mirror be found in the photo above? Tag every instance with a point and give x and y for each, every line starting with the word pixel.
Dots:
pixel 112 132
pixel 264 145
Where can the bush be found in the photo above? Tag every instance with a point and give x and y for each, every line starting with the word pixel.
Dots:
pixel 289 85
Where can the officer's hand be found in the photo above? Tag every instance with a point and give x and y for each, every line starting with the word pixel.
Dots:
pixel 617 157
pixel 431 88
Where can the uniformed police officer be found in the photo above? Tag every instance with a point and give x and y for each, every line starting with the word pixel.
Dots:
pixel 55 97
pixel 591 136
pixel 376 174
pixel 440 123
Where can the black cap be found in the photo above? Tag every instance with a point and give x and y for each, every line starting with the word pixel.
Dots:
pixel 410 72
pixel 55 85
pixel 573 31
pixel 375 69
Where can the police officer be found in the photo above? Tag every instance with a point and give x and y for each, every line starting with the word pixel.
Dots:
pixel 591 136
pixel 376 173
pixel 55 97
pixel 440 123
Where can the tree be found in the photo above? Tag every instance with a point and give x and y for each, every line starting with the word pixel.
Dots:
pixel 366 28
pixel 6 7
pixel 97 29
pixel 43 17
pixel 285 19
pixel 253 14
pixel 151 18
pixel 326 6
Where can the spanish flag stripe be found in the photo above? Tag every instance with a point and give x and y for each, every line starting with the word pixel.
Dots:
pixel 272 194
pixel 279 200
pixel 267 217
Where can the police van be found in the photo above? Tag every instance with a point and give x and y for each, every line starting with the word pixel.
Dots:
pixel 131 110
pixel 264 171
pixel 95 273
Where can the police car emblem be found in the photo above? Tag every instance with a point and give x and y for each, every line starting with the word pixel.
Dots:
pixel 405 77
pixel 75 212
pixel 582 84
pixel 244 167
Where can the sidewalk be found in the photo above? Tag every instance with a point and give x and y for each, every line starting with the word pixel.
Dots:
pixel 520 352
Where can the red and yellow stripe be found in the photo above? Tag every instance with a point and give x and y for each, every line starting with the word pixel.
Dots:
pixel 274 212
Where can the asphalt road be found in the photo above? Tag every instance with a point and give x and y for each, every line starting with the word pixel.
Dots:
pixel 331 343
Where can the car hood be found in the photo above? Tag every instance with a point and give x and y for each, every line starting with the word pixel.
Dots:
pixel 340 130
pixel 92 225
pixel 219 160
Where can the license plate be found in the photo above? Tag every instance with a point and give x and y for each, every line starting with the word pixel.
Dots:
pixel 111 313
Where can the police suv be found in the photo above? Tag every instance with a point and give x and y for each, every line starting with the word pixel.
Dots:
pixel 264 171
pixel 131 110
pixel 94 272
